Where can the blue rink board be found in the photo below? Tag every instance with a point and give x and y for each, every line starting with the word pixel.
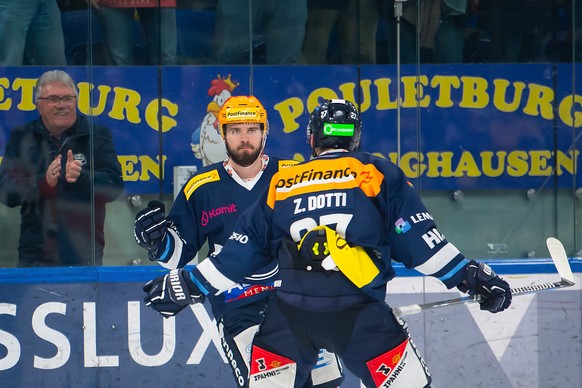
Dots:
pixel 145 273
pixel 88 327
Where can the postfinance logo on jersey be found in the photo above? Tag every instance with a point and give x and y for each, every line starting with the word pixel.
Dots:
pixel 322 175
pixel 287 163
pixel 199 180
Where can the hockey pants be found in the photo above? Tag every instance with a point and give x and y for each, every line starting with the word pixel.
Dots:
pixel 238 327
pixel 370 341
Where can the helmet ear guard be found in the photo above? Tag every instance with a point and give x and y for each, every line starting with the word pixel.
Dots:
pixel 335 124
pixel 242 109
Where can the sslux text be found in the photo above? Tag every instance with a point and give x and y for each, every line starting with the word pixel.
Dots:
pixel 87 330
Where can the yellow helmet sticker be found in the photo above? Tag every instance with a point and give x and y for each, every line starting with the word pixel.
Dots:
pixel 243 114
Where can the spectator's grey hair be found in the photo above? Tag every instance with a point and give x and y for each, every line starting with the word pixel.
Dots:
pixel 54 76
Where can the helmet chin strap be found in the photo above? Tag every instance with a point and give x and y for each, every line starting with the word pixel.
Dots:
pixel 313 152
pixel 263 143
pixel 312 145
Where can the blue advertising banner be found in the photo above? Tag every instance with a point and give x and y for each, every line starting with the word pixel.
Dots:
pixel 461 127
pixel 89 327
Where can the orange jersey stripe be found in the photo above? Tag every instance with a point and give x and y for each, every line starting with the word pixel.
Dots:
pixel 324 175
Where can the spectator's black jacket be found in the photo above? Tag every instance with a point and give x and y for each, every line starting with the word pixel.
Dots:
pixel 56 223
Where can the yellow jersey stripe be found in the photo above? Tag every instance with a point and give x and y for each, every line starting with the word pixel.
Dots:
pixel 199 180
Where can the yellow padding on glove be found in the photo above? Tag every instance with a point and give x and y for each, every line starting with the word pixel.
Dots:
pixel 353 262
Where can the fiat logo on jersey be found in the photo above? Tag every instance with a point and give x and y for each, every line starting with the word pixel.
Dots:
pixel 206 216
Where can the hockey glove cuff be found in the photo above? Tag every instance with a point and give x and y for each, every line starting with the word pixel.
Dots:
pixel 169 294
pixel 480 279
pixel 150 226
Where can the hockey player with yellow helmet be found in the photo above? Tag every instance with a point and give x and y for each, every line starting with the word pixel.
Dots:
pixel 206 210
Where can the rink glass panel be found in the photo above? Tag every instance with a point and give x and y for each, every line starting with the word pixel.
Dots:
pixel 154 107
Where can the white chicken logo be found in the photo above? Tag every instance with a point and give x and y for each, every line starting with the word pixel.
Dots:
pixel 207 143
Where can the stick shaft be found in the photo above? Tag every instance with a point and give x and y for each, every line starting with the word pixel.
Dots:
pixel 559 258
pixel 517 291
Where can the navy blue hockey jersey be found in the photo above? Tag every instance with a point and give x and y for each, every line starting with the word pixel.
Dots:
pixel 366 199
pixel 206 209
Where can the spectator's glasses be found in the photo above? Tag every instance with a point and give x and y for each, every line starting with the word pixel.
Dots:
pixel 54 100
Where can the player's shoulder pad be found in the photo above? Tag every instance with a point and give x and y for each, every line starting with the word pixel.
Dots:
pixel 198 180
pixel 284 163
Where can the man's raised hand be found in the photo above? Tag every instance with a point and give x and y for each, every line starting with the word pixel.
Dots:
pixel 73 168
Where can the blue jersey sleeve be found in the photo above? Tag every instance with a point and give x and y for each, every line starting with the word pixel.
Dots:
pixel 415 240
pixel 184 238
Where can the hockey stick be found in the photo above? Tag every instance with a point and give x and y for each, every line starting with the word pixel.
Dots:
pixel 559 258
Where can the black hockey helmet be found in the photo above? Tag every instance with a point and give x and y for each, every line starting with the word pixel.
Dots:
pixel 335 124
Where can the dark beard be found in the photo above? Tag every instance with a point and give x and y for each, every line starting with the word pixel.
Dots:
pixel 243 159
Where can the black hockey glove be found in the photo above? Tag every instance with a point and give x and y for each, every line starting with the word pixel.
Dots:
pixel 480 279
pixel 169 294
pixel 150 226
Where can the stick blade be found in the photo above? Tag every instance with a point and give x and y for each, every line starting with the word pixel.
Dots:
pixel 560 259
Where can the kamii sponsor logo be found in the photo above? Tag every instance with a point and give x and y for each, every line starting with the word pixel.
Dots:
pixel 206 216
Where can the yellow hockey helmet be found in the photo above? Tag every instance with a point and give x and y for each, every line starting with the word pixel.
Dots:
pixel 242 109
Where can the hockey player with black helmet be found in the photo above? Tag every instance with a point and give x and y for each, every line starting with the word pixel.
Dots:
pixel 335 124
pixel 333 225
pixel 206 210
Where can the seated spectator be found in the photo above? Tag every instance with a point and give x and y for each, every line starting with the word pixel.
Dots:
pixel 31 33
pixel 116 18
pixel 61 170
